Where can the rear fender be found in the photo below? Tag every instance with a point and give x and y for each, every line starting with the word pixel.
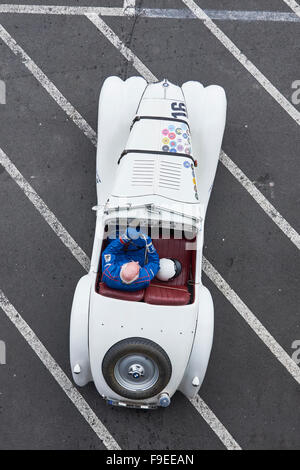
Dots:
pixel 79 330
pixel 201 350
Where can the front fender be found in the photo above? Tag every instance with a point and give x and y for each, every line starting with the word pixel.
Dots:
pixel 79 332
pixel 202 345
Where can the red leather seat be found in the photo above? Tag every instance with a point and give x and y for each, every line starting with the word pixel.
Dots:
pixel 135 296
pixel 161 294
pixel 174 292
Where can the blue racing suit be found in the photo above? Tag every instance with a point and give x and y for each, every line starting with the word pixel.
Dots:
pixel 132 246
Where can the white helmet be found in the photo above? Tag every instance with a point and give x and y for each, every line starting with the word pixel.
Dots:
pixel 169 268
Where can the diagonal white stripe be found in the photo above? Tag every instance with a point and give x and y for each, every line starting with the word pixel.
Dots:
pixel 294 6
pixel 211 419
pixel 48 85
pixel 58 374
pixel 261 200
pixel 129 7
pixel 124 50
pixel 44 210
pixel 235 51
pixel 252 320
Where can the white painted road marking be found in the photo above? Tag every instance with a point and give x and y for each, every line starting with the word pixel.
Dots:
pixel 45 212
pixel 164 13
pixel 211 419
pixel 124 50
pixel 59 10
pixel 58 374
pixel 293 6
pixel 252 320
pixel 48 85
pixel 235 51
pixel 261 200
pixel 129 7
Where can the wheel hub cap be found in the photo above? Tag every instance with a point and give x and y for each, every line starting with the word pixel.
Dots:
pixel 136 372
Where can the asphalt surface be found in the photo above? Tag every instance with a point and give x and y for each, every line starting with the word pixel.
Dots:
pixel 251 393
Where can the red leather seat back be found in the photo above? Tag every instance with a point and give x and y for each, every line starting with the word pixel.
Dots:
pixel 135 296
pixel 161 294
pixel 175 249
pixel 173 292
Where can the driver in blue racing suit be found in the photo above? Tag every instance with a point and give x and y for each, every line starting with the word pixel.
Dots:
pixel 130 262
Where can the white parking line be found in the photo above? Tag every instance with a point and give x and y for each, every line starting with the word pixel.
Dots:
pixel 294 6
pixel 261 200
pixel 252 320
pixel 124 50
pixel 235 51
pixel 59 10
pixel 211 419
pixel 166 13
pixel 221 15
pixel 129 7
pixel 45 212
pixel 63 381
pixel 48 85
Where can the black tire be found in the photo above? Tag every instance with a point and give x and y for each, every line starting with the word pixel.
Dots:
pixel 133 346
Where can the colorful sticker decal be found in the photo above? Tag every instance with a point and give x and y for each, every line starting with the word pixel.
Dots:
pixel 194 183
pixel 186 164
pixel 176 137
pixel 173 150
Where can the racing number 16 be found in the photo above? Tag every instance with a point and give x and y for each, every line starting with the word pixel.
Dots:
pixel 179 109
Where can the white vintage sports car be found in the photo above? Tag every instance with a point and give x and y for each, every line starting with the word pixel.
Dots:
pixel 157 155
